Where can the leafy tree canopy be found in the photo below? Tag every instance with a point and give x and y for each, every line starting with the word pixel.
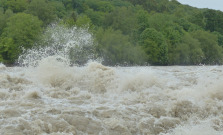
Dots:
pixel 21 31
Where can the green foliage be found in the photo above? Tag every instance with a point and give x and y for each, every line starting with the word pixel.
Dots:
pixel 21 31
pixel 214 20
pixel 159 32
pixel 123 19
pixel 1 59
pixel 208 19
pixel 3 4
pixel 140 25
pixel 60 9
pixel 70 3
pixel 17 5
pixel 70 19
pixel 198 18
pixel 142 20
pixel 209 45
pixel 3 18
pixel 156 5
pixel 121 3
pixel 8 50
pixel 115 48
pixel 97 17
pixel 155 46
pixel 161 22
pixel 220 38
pixel 187 26
pixel 43 10
pixel 83 21
pixel 100 5
pixel 188 51
pixel 79 5
pixel 173 34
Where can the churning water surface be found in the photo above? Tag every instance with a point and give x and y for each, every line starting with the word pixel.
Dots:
pixel 47 96
pixel 56 99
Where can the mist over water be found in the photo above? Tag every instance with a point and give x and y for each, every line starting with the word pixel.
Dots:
pixel 48 96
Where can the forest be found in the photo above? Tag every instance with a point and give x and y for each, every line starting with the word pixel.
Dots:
pixel 126 32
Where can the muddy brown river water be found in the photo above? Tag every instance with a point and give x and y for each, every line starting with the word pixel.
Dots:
pixel 57 99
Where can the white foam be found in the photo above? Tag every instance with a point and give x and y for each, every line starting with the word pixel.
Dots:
pixel 2 67
pixel 95 99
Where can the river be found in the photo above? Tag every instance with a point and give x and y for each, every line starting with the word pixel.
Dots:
pixel 57 99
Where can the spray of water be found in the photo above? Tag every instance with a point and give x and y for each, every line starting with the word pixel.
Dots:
pixel 2 66
pixel 68 45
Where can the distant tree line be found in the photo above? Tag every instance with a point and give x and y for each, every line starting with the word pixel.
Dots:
pixel 134 32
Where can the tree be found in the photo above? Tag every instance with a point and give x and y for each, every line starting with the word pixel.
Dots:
pixel 209 45
pixel 188 51
pixel 214 20
pixel 161 21
pixel 60 10
pixel 83 21
pixel 70 4
pixel 17 5
pixel 3 4
pixel 43 10
pixel 198 18
pixel 173 35
pixel 96 5
pixel 121 3
pixel 21 31
pixel 142 20
pixel 97 17
pixel 8 50
pixel 115 48
pixel 155 46
pixel 123 19
pixel 220 38
pixel 3 18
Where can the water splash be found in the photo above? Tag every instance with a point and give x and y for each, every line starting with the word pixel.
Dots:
pixel 69 45
pixel 2 66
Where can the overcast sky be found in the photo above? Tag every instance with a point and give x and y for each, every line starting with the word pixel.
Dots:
pixel 212 4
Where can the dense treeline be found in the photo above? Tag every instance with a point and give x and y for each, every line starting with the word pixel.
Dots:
pixel 158 32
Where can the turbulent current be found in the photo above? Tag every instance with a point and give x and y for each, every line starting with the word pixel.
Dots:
pixel 56 99
pixel 46 95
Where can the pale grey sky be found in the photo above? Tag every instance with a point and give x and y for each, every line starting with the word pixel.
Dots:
pixel 212 4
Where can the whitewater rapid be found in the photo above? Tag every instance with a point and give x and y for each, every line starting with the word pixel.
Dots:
pixel 57 99
pixel 48 96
